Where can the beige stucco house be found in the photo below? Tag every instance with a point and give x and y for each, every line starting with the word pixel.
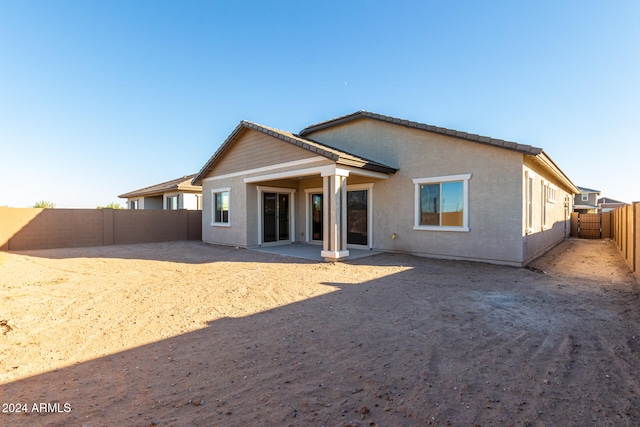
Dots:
pixel 367 180
pixel 178 193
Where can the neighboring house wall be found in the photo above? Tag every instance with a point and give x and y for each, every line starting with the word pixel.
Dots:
pixel 590 198
pixel 172 201
pixel 137 203
pixel 154 202
pixel 191 201
pixel 172 195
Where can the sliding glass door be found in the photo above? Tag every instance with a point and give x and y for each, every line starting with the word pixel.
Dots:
pixel 275 217
pixel 357 217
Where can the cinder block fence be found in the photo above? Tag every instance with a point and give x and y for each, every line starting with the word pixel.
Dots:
pixel 625 226
pixel 30 228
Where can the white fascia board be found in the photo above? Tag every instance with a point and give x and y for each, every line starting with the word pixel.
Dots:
pixel 314 159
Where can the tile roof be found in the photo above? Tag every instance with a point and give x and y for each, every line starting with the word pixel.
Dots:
pixel 339 156
pixel 182 183
pixel 588 190
pixel 342 157
pixel 607 200
pixel 523 148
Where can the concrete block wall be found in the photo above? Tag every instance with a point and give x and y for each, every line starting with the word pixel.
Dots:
pixel 27 229
pixel 625 228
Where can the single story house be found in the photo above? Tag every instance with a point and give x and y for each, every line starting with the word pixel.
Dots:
pixel 178 193
pixel 366 180
pixel 586 201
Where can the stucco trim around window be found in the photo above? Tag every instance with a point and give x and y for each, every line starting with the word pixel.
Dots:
pixel 419 182
pixel 221 220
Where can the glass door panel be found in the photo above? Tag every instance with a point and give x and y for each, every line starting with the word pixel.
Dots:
pixel 316 217
pixel 283 217
pixel 357 217
pixel 269 224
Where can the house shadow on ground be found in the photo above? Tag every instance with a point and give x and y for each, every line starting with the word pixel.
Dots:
pixel 440 343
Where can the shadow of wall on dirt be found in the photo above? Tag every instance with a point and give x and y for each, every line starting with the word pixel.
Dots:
pixel 183 252
pixel 488 345
pixel 33 229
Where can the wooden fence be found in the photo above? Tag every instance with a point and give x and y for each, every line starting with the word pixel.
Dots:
pixel 591 226
pixel 625 226
pixel 30 228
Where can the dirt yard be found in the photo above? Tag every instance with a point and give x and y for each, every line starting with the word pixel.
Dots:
pixel 186 334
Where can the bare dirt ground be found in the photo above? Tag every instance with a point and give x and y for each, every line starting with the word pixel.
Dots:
pixel 186 334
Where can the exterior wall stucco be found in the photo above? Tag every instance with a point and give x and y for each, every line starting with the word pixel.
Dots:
pixel 189 201
pixel 592 199
pixel 153 202
pixel 497 232
pixel 234 234
pixel 495 190
pixel 544 234
pixel 243 229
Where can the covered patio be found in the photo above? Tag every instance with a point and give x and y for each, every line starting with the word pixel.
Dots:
pixel 331 227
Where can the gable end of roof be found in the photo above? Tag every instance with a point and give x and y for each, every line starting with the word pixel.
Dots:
pixel 333 154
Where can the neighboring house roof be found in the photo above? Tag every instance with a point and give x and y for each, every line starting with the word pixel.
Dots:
pixel 339 156
pixel 606 200
pixel 178 184
pixel 588 190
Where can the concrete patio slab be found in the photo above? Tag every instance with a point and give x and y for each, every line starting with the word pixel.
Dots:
pixel 312 252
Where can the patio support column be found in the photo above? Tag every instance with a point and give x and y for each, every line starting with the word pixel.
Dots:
pixel 334 242
pixel 325 213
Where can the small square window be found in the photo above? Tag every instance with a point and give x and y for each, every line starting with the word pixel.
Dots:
pixel 172 202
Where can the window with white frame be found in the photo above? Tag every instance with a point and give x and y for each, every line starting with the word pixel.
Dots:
pixel 585 197
pixel 134 204
pixel 551 194
pixel 442 203
pixel 172 202
pixel 543 204
pixel 529 196
pixel 220 199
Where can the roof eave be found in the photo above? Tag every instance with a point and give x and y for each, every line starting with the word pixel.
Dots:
pixel 315 147
pixel 557 172
pixel 197 180
pixel 494 142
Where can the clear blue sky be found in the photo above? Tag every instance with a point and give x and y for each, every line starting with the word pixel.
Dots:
pixel 98 98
